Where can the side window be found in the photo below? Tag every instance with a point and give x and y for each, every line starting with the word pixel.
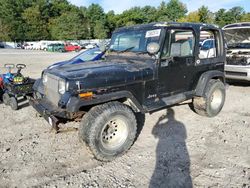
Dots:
pixel 208 46
pixel 179 43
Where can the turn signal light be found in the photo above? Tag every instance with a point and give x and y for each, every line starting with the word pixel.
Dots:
pixel 86 95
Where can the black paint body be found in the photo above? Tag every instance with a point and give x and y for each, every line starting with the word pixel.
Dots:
pixel 142 78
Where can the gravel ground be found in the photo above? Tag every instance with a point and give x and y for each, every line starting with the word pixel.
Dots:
pixel 176 148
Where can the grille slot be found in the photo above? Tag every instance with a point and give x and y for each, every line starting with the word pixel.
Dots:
pixel 51 89
pixel 236 73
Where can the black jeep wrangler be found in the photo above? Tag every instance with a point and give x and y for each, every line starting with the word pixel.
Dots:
pixel 146 68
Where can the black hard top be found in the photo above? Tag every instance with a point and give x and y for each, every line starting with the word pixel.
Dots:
pixel 157 25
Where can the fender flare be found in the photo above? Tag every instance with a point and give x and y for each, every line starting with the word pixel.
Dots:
pixel 74 104
pixel 204 79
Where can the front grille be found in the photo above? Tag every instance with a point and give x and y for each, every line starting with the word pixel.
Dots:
pixel 51 89
pixel 236 73
pixel 234 60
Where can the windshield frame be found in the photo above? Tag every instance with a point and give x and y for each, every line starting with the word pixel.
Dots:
pixel 140 48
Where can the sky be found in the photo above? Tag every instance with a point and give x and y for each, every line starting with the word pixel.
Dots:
pixel 119 6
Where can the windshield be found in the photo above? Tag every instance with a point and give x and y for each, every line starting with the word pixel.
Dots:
pixel 238 38
pixel 88 55
pixel 134 41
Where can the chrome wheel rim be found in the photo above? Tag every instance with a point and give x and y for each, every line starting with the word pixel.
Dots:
pixel 216 99
pixel 114 132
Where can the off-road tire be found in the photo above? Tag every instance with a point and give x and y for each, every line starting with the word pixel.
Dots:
pixel 6 98
pixel 99 120
pixel 214 98
pixel 13 103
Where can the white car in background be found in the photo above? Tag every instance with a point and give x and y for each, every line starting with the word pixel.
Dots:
pixel 238 51
pixel 90 46
pixel 207 49
pixel 28 46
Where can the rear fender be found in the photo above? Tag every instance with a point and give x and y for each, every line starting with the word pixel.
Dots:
pixel 204 79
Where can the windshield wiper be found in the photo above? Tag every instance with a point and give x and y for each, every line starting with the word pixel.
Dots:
pixel 121 51
pixel 138 53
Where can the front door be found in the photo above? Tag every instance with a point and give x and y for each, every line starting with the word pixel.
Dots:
pixel 176 62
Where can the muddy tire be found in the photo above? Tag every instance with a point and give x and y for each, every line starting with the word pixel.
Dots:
pixel 211 104
pixel 13 103
pixel 109 130
pixel 6 98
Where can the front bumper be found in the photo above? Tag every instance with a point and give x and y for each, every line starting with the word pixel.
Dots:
pixel 47 111
pixel 237 72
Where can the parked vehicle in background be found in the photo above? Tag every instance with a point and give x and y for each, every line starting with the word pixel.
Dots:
pixel 57 47
pixel 147 68
pixel 89 46
pixel 1 44
pixel 83 46
pixel 207 48
pixel 238 51
pixel 88 55
pixel 36 46
pixel 28 46
pixel 69 47
pixel 44 45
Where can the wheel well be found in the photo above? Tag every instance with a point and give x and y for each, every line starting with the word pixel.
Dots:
pixel 204 79
pixel 219 78
pixel 123 100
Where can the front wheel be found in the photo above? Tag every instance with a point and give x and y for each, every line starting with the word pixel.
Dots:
pixel 13 103
pixel 6 98
pixel 212 102
pixel 109 130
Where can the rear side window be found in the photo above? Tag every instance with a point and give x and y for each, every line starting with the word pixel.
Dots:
pixel 208 44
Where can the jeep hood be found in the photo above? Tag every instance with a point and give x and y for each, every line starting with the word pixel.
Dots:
pixel 106 73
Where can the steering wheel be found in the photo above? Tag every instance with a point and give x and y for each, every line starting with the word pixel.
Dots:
pixel 20 66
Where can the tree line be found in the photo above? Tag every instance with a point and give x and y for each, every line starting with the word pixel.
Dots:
pixel 32 20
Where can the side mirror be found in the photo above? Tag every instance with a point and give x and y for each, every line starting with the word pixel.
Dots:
pixel 153 48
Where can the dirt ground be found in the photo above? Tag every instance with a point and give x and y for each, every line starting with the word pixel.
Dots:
pixel 176 148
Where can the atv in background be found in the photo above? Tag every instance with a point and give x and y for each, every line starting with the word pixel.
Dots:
pixel 15 85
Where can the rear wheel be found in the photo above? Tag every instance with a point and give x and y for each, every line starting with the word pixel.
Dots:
pixel 6 98
pixel 213 101
pixel 13 103
pixel 109 130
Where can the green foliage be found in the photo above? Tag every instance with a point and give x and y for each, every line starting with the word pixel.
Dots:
pixel 22 20
pixel 68 26
pixel 36 26
pixel 245 17
pixel 235 14
pixel 171 11
pixel 95 14
pixel 100 31
pixel 205 15
pixel 191 17
pixel 4 31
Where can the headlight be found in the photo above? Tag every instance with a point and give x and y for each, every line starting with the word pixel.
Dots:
pixel 45 78
pixel 62 87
